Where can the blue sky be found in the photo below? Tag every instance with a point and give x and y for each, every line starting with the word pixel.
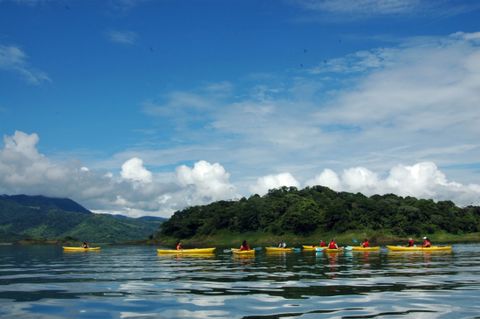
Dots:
pixel 145 107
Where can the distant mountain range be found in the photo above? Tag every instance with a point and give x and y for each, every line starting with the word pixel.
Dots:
pixel 24 217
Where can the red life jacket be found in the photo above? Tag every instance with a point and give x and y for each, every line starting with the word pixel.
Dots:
pixel 332 245
pixel 365 244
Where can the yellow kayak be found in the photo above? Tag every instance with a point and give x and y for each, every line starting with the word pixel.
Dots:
pixel 187 251
pixel 237 251
pixel 68 248
pixel 278 250
pixel 359 248
pixel 419 248
pixel 308 247
pixel 333 250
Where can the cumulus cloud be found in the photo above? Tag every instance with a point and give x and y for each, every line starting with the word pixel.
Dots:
pixel 327 178
pixel 422 180
pixel 133 191
pixel 122 37
pixel 210 181
pixel 265 183
pixel 134 170
pixel 13 59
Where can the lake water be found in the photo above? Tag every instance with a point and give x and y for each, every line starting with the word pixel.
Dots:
pixel 135 282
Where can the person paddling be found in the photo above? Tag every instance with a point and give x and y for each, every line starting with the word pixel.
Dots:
pixel 365 243
pixel 410 243
pixel 332 244
pixel 322 244
pixel 426 242
pixel 85 244
pixel 178 246
pixel 244 246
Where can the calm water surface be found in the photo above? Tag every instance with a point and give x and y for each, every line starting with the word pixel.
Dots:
pixel 135 282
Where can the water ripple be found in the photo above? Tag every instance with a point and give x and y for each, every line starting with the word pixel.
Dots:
pixel 135 282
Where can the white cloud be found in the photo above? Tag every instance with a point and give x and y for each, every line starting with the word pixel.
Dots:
pixel 360 179
pixel 122 37
pixel 368 8
pixel 327 178
pixel 135 191
pixel 134 170
pixel 357 62
pixel 421 180
pixel 416 102
pixel 362 6
pixel 265 183
pixel 13 59
pixel 210 181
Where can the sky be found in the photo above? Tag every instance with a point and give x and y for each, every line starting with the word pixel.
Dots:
pixel 141 107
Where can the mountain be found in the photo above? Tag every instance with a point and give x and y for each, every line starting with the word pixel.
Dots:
pixel 321 210
pixel 40 217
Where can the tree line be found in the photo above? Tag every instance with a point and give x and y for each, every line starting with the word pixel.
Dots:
pixel 301 212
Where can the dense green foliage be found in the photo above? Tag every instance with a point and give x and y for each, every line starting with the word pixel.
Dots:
pixel 291 211
pixel 39 218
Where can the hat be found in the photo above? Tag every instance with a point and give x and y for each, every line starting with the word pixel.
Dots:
pixel 424 237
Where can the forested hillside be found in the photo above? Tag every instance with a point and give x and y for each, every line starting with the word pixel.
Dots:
pixel 289 210
pixel 44 218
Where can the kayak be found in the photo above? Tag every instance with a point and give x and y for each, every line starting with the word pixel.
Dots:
pixel 186 251
pixel 278 250
pixel 68 248
pixel 308 247
pixel 333 250
pixel 237 251
pixel 419 248
pixel 359 248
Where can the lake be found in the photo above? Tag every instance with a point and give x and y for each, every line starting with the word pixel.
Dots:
pixel 135 282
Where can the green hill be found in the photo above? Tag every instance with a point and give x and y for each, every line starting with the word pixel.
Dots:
pixel 291 213
pixel 44 218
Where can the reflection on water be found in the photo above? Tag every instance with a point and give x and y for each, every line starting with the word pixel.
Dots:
pixel 135 282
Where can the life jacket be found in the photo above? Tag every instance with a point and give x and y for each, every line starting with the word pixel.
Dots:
pixel 322 244
pixel 411 243
pixel 332 245
pixel 246 247
pixel 365 244
pixel 427 243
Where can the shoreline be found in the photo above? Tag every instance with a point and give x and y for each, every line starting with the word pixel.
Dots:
pixel 229 239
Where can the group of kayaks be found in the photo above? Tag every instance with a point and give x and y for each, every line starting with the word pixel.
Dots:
pixel 200 251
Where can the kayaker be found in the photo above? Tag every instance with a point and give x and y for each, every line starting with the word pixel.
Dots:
pixel 282 244
pixel 410 243
pixel 332 244
pixel 426 242
pixel 244 246
pixel 178 246
pixel 85 244
pixel 322 244
pixel 365 243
